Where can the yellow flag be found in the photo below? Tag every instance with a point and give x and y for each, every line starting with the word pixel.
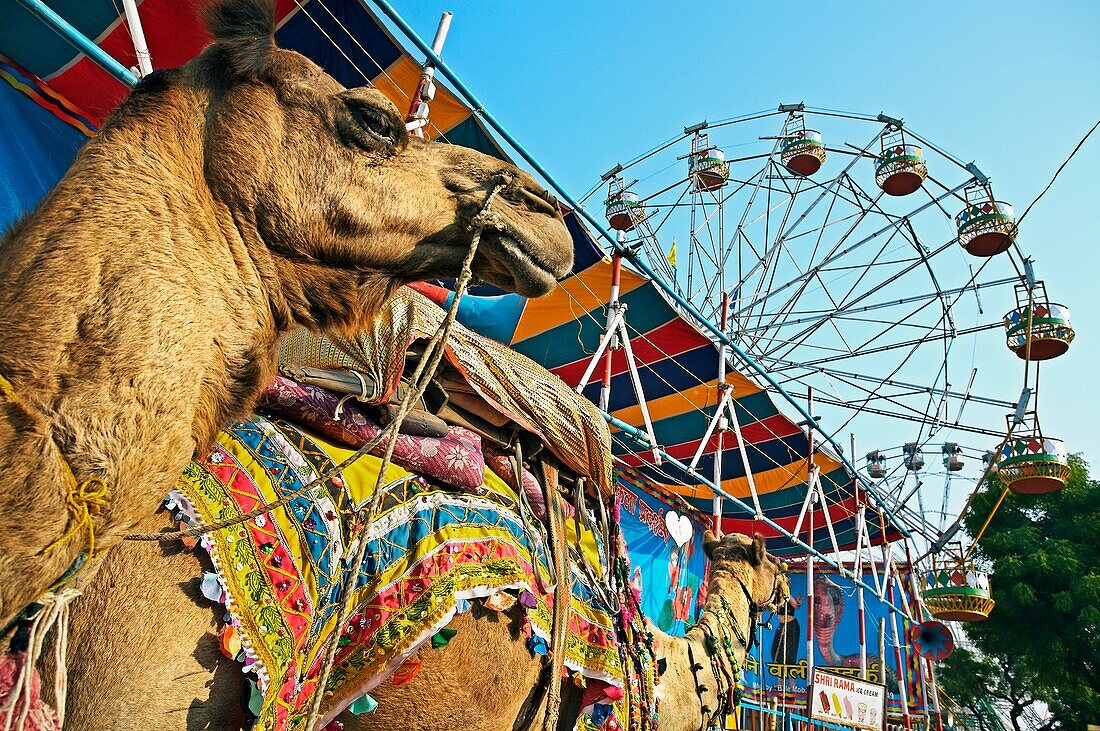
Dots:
pixel 672 254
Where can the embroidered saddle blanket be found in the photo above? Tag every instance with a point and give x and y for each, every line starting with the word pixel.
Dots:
pixel 456 525
pixel 431 551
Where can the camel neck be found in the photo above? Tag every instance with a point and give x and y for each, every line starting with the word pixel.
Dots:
pixel 130 331
pixel 726 630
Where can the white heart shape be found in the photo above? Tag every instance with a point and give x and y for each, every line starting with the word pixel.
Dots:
pixel 679 527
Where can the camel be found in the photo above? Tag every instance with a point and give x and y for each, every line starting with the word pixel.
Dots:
pixel 223 203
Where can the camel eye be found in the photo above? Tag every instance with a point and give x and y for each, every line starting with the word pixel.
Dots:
pixel 373 122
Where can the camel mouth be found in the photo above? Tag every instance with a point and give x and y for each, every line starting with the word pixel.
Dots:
pixel 509 261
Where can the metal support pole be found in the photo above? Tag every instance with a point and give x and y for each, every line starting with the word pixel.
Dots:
pixel 811 466
pixel 717 414
pixel 82 43
pixel 882 651
pixel 605 387
pixel 892 582
pixel 917 615
pixel 810 604
pixel 812 495
pixel 417 118
pixel 861 516
pixel 137 33
pixel 745 460
pixel 936 696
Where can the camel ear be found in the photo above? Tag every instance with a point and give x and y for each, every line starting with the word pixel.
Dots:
pixel 245 30
pixel 709 543
pixel 759 551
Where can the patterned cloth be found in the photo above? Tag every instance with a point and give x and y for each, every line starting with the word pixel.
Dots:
pixel 430 551
pixel 570 425
pixel 455 459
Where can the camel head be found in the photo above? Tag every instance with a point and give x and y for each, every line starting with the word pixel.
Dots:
pixel 738 557
pixel 344 200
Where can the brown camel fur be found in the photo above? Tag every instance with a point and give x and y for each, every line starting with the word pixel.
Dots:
pixel 223 203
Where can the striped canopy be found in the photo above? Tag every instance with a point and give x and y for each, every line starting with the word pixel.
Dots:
pixel 678 370
pixel 64 96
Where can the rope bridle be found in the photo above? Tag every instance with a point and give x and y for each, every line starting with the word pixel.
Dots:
pixel 422 376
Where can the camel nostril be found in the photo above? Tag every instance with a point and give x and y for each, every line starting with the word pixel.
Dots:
pixel 538 200
pixel 551 199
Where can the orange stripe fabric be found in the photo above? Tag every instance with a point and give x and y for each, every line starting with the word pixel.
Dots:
pixel 690 399
pixel 769 481
pixel 573 299
pixel 399 83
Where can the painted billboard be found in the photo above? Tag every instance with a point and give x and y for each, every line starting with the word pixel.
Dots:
pixel 847 701
pixel 667 564
pixel 777 670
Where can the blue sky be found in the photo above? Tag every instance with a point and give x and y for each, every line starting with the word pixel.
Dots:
pixel 1011 85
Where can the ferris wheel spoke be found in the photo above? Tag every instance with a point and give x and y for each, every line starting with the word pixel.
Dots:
pixel 906 344
pixel 874 411
pixel 913 264
pixel 850 309
pixel 962 396
pixel 877 390
pixel 796 296
pixel 844 252
pixel 900 323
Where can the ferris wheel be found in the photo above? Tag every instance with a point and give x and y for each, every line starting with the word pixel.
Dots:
pixel 868 270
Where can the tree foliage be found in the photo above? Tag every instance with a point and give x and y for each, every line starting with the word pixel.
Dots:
pixel 1044 555
pixel 975 682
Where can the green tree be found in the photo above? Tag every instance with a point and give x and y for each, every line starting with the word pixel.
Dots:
pixel 976 682
pixel 1044 555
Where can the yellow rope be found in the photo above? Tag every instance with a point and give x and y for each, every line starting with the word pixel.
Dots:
pixel 86 500
pixel 7 390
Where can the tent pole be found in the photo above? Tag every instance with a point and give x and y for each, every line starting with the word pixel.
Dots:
pixel 717 414
pixel 861 517
pixel 810 606
pixel 917 614
pixel 902 690
pixel 745 459
pixel 811 495
pixel 616 274
pixel 137 33
pixel 416 120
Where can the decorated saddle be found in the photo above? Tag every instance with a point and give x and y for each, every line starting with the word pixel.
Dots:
pixel 458 523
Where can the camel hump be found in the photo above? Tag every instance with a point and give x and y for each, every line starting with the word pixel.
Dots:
pixel 246 29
